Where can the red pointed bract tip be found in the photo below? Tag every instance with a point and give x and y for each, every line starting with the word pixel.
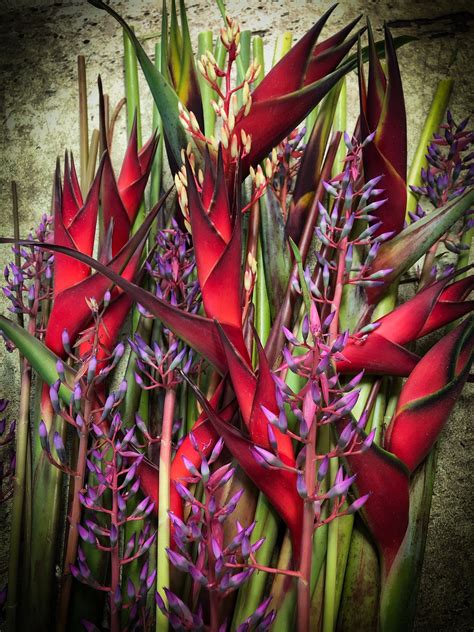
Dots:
pixel 429 395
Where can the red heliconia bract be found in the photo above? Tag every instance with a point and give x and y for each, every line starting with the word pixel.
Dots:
pixel 429 395
pixel 293 88
pixel 382 111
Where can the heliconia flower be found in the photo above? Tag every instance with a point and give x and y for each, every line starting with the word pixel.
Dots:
pixel 386 479
pixel 382 352
pixel 293 88
pixel 429 395
pixel 382 110
pixel 121 198
pixel 278 484
pixel 70 308
pixel 216 229
pixel 74 224
pixel 425 403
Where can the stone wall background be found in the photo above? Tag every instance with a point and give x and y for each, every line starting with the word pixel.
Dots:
pixel 39 44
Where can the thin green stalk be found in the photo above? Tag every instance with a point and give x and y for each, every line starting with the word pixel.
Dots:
pixel 132 91
pixel 157 124
pixel 19 485
pixel 433 121
pixel 282 46
pixel 329 617
pixel 47 488
pixel 207 93
pixel 83 122
pixel 163 543
pixel 340 125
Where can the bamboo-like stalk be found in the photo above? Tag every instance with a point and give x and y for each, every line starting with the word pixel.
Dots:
pixel 433 121
pixel 46 501
pixel 21 452
pixel 340 125
pixel 132 91
pixel 83 122
pixel 207 93
pixel 163 542
pixel 93 152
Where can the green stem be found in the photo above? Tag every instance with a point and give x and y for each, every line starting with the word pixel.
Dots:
pixel 83 122
pixel 132 92
pixel 432 124
pixel 19 484
pixel 157 124
pixel 47 485
pixel 340 125
pixel 207 93
pixel 162 562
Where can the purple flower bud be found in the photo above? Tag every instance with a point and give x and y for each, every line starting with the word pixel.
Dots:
pixel 109 403
pixel 301 486
pixel 178 561
pixel 91 369
pixel 368 441
pixel 59 447
pixel 190 467
pixel 358 504
pixel 53 396
pixel 340 488
pixel 107 298
pixel 346 436
pixel 266 458
pixel 66 342
pixel 216 451
pixel 323 468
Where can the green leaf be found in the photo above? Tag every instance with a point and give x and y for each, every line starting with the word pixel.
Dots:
pixel 40 357
pixel 165 97
pixel 404 250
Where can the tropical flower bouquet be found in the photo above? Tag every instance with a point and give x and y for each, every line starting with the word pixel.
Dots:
pixel 224 421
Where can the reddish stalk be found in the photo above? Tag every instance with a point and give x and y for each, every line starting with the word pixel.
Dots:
pixel 74 520
pixel 304 582
pixel 114 554
pixel 276 338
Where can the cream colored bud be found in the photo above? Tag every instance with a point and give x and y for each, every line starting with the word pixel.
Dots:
pixel 237 49
pixel 274 156
pixel 268 168
pixel 183 156
pixel 247 280
pixel 234 148
pixel 248 105
pixel 189 149
pixel 178 183
pixel 252 173
pixel 211 58
pixel 224 38
pixel 201 68
pixel 243 137
pixel 182 177
pixel 248 144
pixel 188 226
pixel 237 38
pixel 248 74
pixel 194 122
pixel 259 177
pixel 230 35
pixel 215 107
pixel 200 177
pixel 231 120
pixel 183 197
pixel 211 73
pixel 213 142
pixel 225 139
pixel 245 93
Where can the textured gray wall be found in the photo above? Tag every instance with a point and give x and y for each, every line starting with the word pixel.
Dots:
pixel 39 43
